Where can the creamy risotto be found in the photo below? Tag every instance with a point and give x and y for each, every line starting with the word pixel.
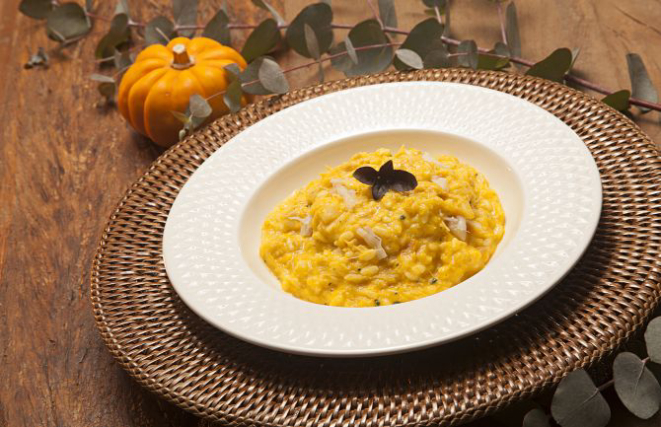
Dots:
pixel 342 242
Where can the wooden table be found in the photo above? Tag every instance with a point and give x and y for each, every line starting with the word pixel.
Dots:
pixel 66 160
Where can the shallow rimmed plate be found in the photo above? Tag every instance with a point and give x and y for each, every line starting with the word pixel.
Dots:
pixel 543 173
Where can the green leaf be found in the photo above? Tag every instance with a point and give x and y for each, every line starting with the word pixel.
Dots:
pixel 264 5
pixel 108 90
pixel 438 58
pixel 469 58
pixel 351 51
pixel 249 78
pixel 374 60
pixel 102 79
pixel 554 67
pixel 319 17
pixel 262 40
pixel 122 60
pixel 636 386
pixel 233 70
pixel 185 14
pixel 311 41
pixel 232 96
pixel 512 30
pixel 423 39
pixel 66 22
pixel 271 77
pixel 618 100
pixel 488 62
pixel 159 31
pixel 119 33
pixel 122 7
pixel 218 28
pixel 387 13
pixel 653 340
pixel 410 58
pixel 641 85
pixel 37 9
pixel 578 403
pixel 435 3
pixel 199 107
pixel 536 418
pixel 501 49
pixel 39 59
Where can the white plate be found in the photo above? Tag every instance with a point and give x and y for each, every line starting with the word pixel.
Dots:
pixel 546 178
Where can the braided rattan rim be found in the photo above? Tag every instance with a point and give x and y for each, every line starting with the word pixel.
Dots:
pixel 169 350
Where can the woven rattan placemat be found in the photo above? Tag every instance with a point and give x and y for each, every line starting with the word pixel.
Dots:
pixel 172 352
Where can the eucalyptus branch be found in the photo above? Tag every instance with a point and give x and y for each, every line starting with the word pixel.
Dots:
pixel 448 40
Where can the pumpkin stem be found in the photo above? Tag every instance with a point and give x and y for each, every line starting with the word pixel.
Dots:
pixel 181 59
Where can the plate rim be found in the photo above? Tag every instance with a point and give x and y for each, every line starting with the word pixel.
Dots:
pixel 416 345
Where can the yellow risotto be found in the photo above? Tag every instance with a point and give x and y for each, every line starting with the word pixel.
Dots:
pixel 332 243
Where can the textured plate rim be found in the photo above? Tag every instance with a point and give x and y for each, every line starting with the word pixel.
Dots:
pixel 267 342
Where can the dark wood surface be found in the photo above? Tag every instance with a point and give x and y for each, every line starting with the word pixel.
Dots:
pixel 66 160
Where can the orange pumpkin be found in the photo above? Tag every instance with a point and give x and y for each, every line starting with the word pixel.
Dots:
pixel 163 78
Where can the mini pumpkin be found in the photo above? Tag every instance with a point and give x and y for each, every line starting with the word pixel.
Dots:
pixel 163 78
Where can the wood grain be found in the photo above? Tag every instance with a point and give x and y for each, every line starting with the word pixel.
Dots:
pixel 66 160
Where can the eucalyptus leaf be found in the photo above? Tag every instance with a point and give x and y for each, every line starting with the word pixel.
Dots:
pixel 311 41
pixel 438 58
pixel 373 60
pixel 489 62
pixel 319 17
pixel 66 22
pixel 424 38
pixel 199 107
pixel 469 58
pixel 387 13
pixel 636 386
pixel 264 5
pixel 36 9
pixel 271 77
pixel 618 100
pixel 536 418
pixel 578 403
pixel 185 14
pixel 553 67
pixel 435 3
pixel 512 30
pixel 102 78
pixel 641 85
pixel 159 31
pixel 39 59
pixel 410 58
pixel 108 90
pixel 351 51
pixel 501 49
pixel 262 40
pixel 118 33
pixel 232 96
pixel 249 78
pixel 218 28
pixel 233 70
pixel 122 60
pixel 653 340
